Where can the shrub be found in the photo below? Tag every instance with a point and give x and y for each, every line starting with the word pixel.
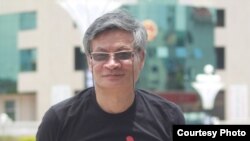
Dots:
pixel 7 138
pixel 18 138
pixel 27 138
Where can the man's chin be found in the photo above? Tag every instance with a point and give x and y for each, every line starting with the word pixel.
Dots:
pixel 113 84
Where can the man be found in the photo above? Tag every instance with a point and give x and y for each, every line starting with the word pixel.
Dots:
pixel 112 110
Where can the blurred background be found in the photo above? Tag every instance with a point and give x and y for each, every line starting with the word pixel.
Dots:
pixel 197 56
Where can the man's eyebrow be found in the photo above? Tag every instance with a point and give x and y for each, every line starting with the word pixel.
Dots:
pixel 122 47
pixel 101 49
pixel 125 47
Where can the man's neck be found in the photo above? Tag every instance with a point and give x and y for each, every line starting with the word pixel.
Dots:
pixel 114 100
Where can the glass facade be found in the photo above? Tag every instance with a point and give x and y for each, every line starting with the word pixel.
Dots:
pixel 181 43
pixel 10 25
pixel 9 65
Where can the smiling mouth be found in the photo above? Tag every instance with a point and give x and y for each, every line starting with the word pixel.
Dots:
pixel 108 75
pixel 112 75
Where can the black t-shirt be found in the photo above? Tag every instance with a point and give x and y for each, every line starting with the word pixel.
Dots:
pixel 150 118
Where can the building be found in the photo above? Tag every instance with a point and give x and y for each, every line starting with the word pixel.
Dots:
pixel 232 41
pixel 41 60
pixel 46 42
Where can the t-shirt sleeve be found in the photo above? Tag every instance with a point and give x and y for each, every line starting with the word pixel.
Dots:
pixel 49 128
pixel 180 120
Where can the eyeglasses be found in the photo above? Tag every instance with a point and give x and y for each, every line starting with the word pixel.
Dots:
pixel 104 56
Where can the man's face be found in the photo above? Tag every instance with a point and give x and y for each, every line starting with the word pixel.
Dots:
pixel 113 60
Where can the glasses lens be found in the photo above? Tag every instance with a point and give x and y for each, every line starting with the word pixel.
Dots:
pixel 123 55
pixel 100 56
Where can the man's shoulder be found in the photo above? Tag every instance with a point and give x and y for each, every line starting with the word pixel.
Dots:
pixel 56 116
pixel 161 105
pixel 73 102
pixel 153 97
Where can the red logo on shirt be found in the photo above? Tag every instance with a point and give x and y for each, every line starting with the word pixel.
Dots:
pixel 129 138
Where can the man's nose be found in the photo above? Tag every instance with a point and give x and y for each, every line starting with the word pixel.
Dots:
pixel 112 63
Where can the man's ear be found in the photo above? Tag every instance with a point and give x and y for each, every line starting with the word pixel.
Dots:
pixel 89 60
pixel 142 55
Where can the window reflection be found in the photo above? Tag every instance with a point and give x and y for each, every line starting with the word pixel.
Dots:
pixel 28 60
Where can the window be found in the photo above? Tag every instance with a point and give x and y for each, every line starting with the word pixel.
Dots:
pixel 220 18
pixel 220 55
pixel 9 107
pixel 80 59
pixel 27 20
pixel 28 60
pixel 75 25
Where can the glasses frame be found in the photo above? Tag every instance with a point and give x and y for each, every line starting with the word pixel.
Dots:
pixel 114 55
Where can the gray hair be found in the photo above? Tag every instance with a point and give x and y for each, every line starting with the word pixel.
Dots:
pixel 118 19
